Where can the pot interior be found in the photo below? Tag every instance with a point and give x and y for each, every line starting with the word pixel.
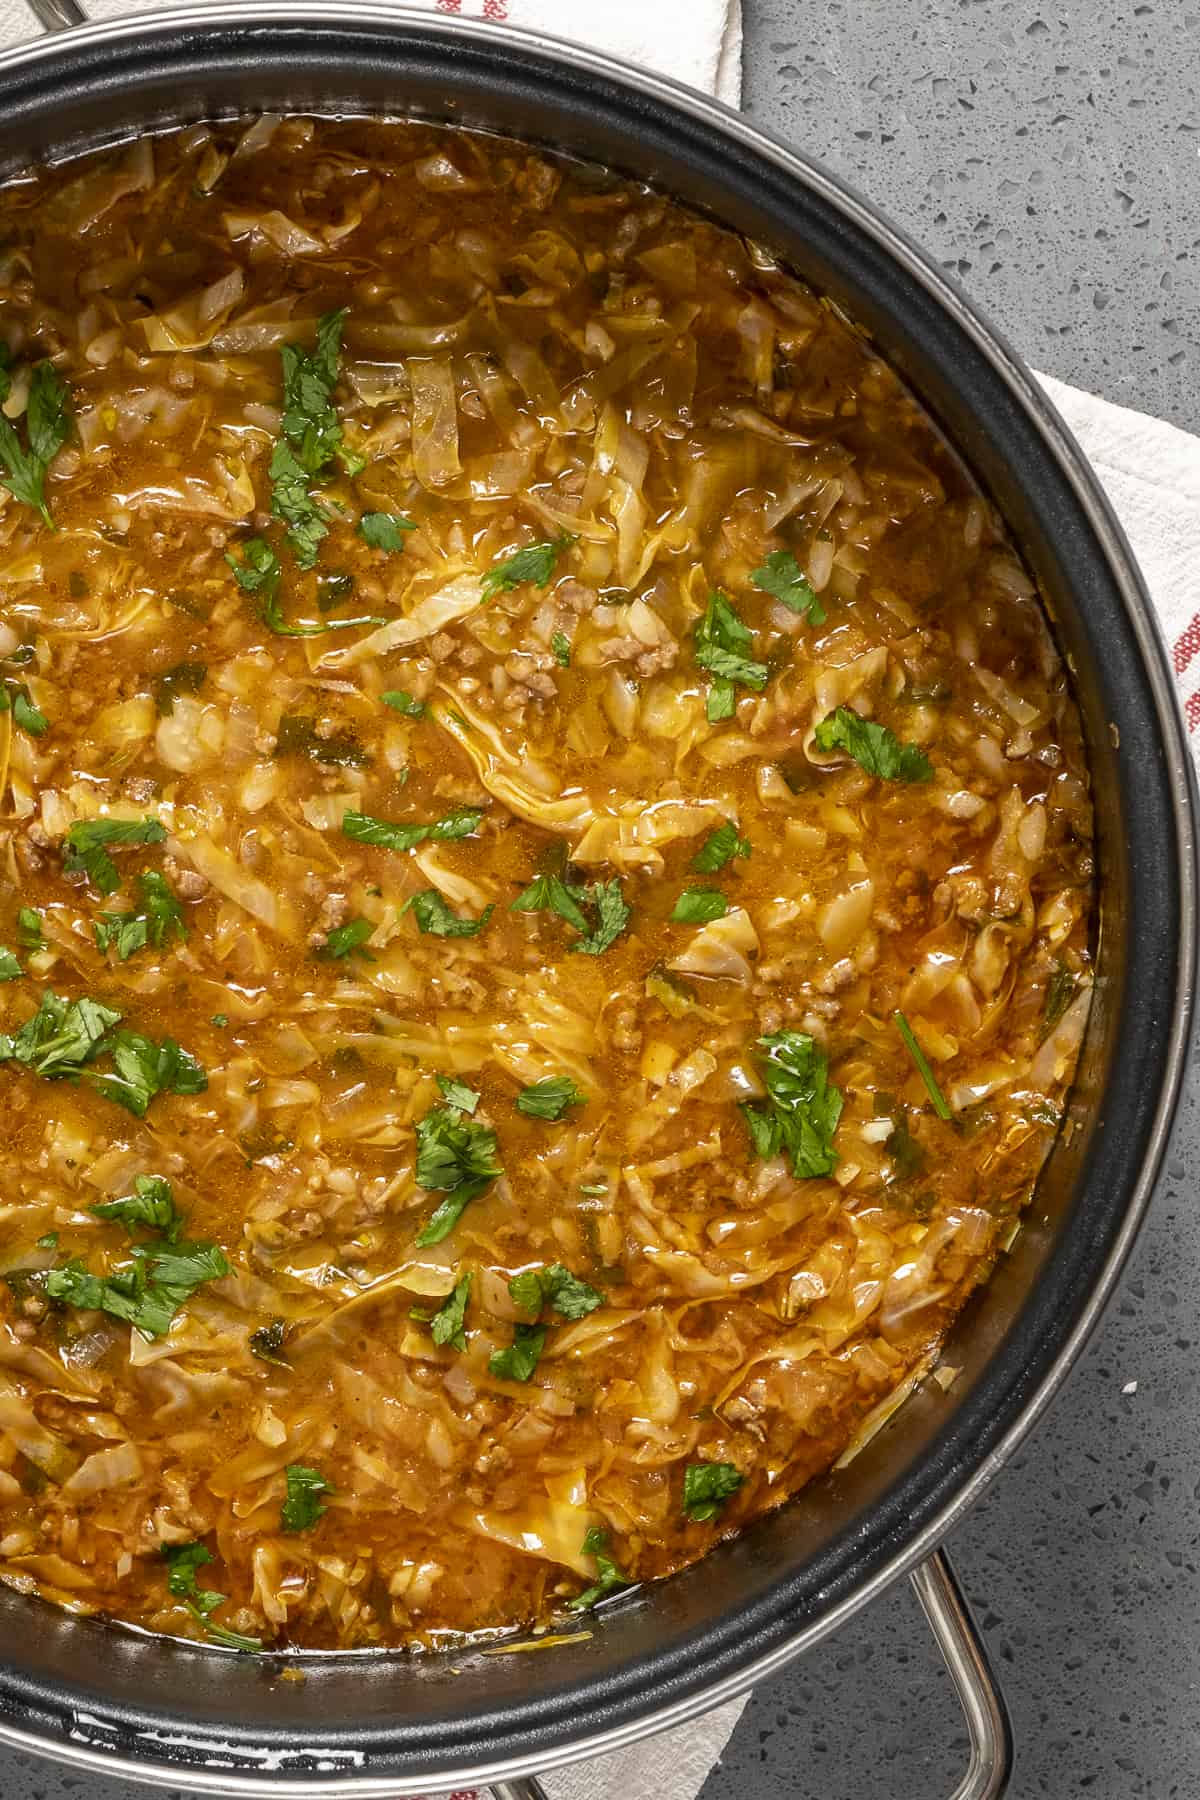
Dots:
pixel 168 1707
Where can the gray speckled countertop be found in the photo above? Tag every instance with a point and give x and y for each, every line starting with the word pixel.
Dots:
pixel 1049 154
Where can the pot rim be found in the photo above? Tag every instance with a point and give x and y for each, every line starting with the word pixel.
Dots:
pixel 91 1747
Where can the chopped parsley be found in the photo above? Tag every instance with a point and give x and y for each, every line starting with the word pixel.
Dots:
pixel 402 702
pixel 550 1097
pixel 718 848
pixel 144 1068
pixel 609 1576
pixel 182 1562
pixel 458 1094
pixel 346 940
pixel 389 834
pixel 302 1508
pixel 384 531
pixel 518 1361
pixel 455 1156
pixel 88 842
pixel 699 906
pixel 1060 991
pixel 556 1287
pixel 560 644
pixel 437 919
pixel 940 1104
pixel 297 735
pixel 535 564
pixel 158 917
pixel 26 717
pixel 152 1204
pixel 311 438
pixel 47 424
pixel 60 1037
pixel 803 1107
pixel 721 642
pixel 782 577
pixel 184 678
pixel 29 929
pixel 447 1326
pixel 549 893
pixel 267 1343
pixel 334 589
pixel 258 573
pixel 878 750
pixel 148 1292
pixel 10 968
pixel 706 1487
pixel 63 1037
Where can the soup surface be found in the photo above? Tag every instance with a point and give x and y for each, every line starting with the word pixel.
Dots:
pixel 546 886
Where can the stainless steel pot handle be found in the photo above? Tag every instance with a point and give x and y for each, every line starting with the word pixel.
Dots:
pixel 57 15
pixel 965 1656
pixel 936 1584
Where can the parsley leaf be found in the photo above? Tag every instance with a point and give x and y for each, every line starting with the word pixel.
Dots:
pixel 384 531
pixel 940 1104
pixel 457 1156
pixel 258 573
pixel 10 968
pixel 302 1508
pixel 389 834
pixel 47 424
pixel 348 939
pixel 293 503
pixel 556 1287
pixel 29 929
pixel 152 1204
pixel 144 1068
pixel 706 1487
pixel 60 1037
pixel 437 919
pixel 267 1343
pixel 458 1094
pixel 149 1292
pixel 549 893
pixel 520 1359
pixel 608 1575
pixel 612 916
pixel 158 918
pixel 447 1326
pixel 550 1097
pixel 309 420
pixel 297 735
pixel 183 678
pixel 26 716
pixel 183 1560
pixel 699 906
pixel 718 848
pixel 402 702
pixel 536 564
pixel 782 577
pixel 560 644
pixel 803 1105
pixel 721 641
pixel 88 842
pixel 877 749
pixel 1060 991
pixel 311 438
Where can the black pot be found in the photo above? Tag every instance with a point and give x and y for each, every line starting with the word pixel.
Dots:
pixel 113 1699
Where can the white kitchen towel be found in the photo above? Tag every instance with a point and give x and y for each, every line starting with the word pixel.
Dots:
pixel 1151 471
pixel 697 41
